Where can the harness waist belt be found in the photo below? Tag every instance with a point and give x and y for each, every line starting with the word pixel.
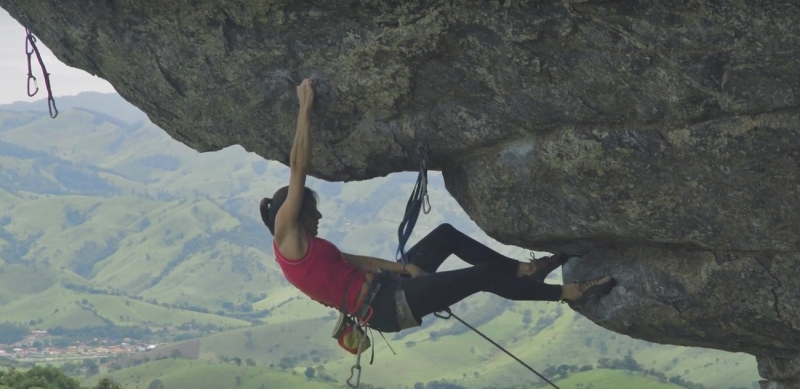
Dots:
pixel 372 291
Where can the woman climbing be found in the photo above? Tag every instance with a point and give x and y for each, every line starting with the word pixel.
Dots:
pixel 353 282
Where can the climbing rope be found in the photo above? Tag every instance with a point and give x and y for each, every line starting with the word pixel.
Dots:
pixel 417 201
pixel 30 49
pixel 451 314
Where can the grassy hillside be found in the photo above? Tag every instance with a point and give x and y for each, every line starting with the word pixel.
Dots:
pixel 61 307
pixel 303 340
pixel 21 280
pixel 107 221
pixel 181 373
pixel 609 379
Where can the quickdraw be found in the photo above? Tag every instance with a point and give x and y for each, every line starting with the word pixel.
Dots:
pixel 30 49
pixel 363 324
pixel 418 200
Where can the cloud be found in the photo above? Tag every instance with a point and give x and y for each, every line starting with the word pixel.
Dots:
pixel 64 80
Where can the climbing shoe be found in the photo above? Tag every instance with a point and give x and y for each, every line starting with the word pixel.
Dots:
pixel 591 288
pixel 546 265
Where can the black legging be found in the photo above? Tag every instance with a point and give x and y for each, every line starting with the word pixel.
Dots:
pixel 491 272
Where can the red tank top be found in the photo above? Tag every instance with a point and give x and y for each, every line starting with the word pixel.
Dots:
pixel 323 274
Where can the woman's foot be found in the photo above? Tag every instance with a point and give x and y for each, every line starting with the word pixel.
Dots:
pixel 542 267
pixel 579 292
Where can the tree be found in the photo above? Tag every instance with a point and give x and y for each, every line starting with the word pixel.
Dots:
pixel 47 377
pixel 286 363
pixel 12 333
pixel 237 361
pixel 238 380
pixel 250 362
pixel 631 364
pixel 310 372
pixel 156 384
pixel 91 367
pixel 107 383
pixel 38 376
pixel 71 368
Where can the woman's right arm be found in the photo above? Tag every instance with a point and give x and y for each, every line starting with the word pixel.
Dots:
pixel 289 235
pixel 373 265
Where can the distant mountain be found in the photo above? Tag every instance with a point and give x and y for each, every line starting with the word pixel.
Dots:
pixel 111 104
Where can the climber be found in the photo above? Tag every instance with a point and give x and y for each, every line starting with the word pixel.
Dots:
pixel 399 294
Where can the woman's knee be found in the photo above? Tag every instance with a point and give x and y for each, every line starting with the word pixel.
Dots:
pixel 445 229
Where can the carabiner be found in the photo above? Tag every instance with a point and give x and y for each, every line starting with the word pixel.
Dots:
pixel 35 84
pixel 51 105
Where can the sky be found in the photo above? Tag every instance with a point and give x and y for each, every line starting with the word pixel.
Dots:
pixel 64 80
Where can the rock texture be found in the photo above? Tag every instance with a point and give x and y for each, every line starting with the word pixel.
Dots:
pixel 659 139
pixel 783 373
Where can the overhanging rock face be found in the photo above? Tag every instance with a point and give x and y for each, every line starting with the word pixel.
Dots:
pixel 662 140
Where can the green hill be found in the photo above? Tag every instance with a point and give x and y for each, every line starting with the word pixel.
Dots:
pixel 181 373
pixel 106 222
pixel 62 307
pixel 609 379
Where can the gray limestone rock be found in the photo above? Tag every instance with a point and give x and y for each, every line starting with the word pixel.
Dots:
pixel 783 372
pixel 659 139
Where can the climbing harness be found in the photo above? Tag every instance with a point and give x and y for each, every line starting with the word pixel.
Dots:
pixel 351 330
pixel 359 323
pixel 417 201
pixel 30 49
